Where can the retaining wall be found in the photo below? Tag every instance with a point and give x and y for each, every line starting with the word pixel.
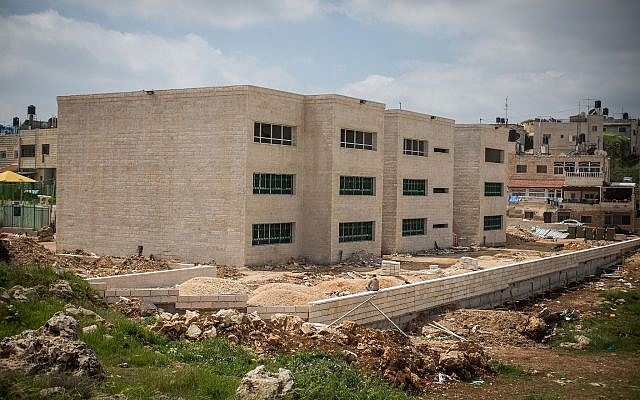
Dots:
pixel 474 289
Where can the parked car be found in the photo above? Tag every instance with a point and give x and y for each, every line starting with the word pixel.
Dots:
pixel 571 222
pixel 618 229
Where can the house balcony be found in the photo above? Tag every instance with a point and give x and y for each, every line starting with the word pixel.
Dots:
pixel 583 178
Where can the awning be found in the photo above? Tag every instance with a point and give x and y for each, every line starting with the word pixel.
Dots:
pixel 527 183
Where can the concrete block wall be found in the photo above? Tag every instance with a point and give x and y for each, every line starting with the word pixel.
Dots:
pixel 478 288
pixel 154 279
pixel 266 312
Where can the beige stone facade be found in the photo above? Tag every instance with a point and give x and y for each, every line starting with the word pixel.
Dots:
pixel 43 165
pixel 173 171
pixel 434 166
pixel 32 152
pixel 580 133
pixel 480 175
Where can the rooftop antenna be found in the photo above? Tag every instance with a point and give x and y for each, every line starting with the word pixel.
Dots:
pixel 400 105
pixel 506 109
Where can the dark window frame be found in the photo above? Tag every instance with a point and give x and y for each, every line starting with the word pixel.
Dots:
pixel 414 187
pixel 27 150
pixel 267 133
pixel 491 155
pixel 265 183
pixel 492 222
pixel 278 233
pixel 414 227
pixel 541 169
pixel 415 147
pixel 361 231
pixel 357 186
pixel 493 189
pixel 521 169
pixel 360 140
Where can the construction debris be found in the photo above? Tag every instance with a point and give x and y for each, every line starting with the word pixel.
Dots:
pixel 388 352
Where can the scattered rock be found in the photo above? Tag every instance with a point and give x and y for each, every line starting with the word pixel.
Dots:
pixel 19 293
pixel 260 384
pixel 90 329
pixel 52 348
pixel 193 332
pixel 61 288
pixel 48 392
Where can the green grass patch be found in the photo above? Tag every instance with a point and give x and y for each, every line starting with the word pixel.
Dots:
pixel 326 376
pixel 509 370
pixel 620 333
pixel 157 365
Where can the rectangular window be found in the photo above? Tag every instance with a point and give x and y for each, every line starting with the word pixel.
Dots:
pixel 357 185
pixel 272 183
pixel 17 211
pixel 413 227
pixel 414 147
pixel 272 134
pixel 493 189
pixel 545 139
pixel 272 233
pixel 541 169
pixel 440 226
pixel 351 139
pixel 493 155
pixel 622 129
pixel 586 219
pixel 521 169
pixel 492 222
pixel 617 219
pixel 3 154
pixel 28 150
pixel 355 231
pixel 414 187
pixel 440 190
pixel 558 168
pixel 594 128
pixel 440 150
pixel 45 149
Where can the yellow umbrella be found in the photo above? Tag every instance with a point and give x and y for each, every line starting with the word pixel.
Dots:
pixel 10 176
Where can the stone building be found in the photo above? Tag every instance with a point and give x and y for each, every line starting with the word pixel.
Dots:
pixel 418 182
pixel 581 133
pixel 480 173
pixel 239 174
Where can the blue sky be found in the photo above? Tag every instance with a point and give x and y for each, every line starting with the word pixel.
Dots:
pixel 458 59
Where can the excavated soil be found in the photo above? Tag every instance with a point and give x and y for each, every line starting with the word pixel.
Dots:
pixel 273 294
pixel 209 286
pixel 24 251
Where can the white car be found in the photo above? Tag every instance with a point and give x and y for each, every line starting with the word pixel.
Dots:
pixel 572 222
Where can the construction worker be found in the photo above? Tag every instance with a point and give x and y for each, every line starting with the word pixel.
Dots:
pixel 373 285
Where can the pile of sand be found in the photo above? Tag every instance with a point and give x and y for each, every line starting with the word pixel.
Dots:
pixel 204 286
pixel 276 294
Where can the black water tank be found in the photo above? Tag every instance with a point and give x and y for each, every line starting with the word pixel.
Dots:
pixel 605 111
pixel 497 120
pixel 502 120
pixel 16 122
pixel 598 104
pixel 31 110
pixel 625 115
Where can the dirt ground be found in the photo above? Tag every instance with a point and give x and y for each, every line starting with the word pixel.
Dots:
pixel 546 372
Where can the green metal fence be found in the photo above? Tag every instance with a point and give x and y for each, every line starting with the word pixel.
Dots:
pixel 24 216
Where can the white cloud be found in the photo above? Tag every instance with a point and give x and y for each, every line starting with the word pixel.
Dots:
pixel 221 13
pixel 544 55
pixel 468 93
pixel 47 54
